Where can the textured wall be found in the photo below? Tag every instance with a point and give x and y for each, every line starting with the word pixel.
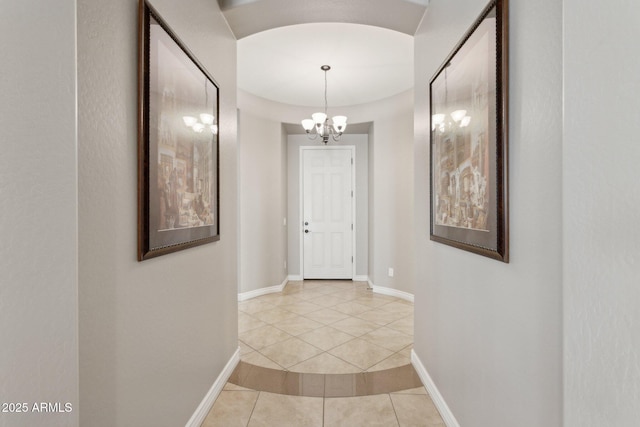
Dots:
pixel 391 180
pixel 263 244
pixel 38 181
pixel 601 211
pixel 489 333
pixel 154 335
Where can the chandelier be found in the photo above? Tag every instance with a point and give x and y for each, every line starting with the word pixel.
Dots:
pixel 204 121
pixel 318 124
pixel 441 121
pixel 460 119
pixel 207 121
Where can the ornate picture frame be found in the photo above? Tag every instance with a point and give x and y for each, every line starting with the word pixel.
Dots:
pixel 178 147
pixel 468 145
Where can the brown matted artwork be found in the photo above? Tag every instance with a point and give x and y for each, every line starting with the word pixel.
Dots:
pixel 178 150
pixel 468 118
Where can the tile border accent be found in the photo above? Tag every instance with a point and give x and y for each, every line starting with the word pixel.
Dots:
pixel 390 292
pixel 446 414
pixel 290 383
pixel 205 406
pixel 243 296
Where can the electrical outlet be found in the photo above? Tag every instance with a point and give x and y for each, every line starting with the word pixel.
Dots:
pixel 390 272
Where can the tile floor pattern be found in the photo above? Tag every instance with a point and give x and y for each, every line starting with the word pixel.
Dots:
pixel 324 327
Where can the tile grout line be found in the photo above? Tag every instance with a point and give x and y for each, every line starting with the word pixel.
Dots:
pixel 254 408
pixel 395 412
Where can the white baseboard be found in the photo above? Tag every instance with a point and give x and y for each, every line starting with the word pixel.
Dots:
pixel 438 400
pixel 243 296
pixel 298 278
pixel 209 399
pixel 391 292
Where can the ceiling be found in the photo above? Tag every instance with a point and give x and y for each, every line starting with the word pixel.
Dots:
pixel 367 64
pixel 283 43
pixel 246 17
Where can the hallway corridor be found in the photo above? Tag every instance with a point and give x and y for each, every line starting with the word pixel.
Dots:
pixel 324 353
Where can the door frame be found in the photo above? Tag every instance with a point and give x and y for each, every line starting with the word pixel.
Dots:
pixel 352 149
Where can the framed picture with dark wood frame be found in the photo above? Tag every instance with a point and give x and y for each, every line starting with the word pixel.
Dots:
pixel 468 146
pixel 178 149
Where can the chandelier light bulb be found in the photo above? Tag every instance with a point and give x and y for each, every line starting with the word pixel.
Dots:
pixel 339 123
pixel 207 119
pixel 436 121
pixel 458 115
pixel 189 121
pixel 339 120
pixel 308 124
pixel 319 118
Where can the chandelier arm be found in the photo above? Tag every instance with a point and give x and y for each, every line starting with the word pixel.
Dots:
pixel 312 135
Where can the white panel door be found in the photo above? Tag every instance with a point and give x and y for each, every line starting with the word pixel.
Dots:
pixel 327 214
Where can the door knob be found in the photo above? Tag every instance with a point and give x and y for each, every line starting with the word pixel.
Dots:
pixel 306 223
pixel 306 231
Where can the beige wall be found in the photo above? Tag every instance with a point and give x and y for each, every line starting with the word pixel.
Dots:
pixel 489 333
pixel 600 211
pixel 391 208
pixel 154 335
pixel 389 186
pixel 38 182
pixel 263 181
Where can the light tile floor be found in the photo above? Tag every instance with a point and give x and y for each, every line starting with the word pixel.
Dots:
pixel 324 327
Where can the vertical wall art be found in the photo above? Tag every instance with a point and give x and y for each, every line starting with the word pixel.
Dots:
pixel 468 107
pixel 178 170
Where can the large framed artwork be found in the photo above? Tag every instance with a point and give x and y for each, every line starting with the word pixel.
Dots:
pixel 178 150
pixel 468 146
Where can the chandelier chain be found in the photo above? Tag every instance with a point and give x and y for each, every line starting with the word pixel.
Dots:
pixel 325 92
